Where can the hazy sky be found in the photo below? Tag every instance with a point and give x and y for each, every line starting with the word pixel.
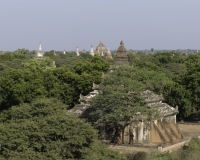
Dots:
pixel 65 24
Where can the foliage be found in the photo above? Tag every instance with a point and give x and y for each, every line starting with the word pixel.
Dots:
pixel 44 130
pixel 95 68
pixel 175 68
pixel 23 51
pixel 192 151
pixel 38 64
pixel 185 93
pixel 25 85
pixel 39 78
pixel 163 58
pixel 69 59
pixel 11 56
pixel 10 60
pixel 137 156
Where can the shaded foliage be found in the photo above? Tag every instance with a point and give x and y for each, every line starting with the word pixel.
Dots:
pixel 44 130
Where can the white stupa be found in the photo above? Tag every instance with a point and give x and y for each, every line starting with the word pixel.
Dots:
pixel 40 53
pixel 64 52
pixel 77 52
pixel 91 51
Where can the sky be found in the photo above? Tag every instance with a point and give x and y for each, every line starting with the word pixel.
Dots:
pixel 67 24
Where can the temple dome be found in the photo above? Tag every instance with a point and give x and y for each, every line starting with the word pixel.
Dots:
pixel 101 49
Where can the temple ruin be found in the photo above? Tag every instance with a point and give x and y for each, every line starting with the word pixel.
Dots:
pixel 139 129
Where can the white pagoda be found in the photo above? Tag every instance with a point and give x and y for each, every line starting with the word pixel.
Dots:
pixel 40 53
pixel 91 51
pixel 64 52
pixel 77 52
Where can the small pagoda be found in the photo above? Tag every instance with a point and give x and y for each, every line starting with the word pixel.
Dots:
pixel 121 56
pixel 40 53
pixel 91 51
pixel 109 56
pixel 77 52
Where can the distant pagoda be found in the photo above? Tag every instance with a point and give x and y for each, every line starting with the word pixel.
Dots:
pixel 101 49
pixel 77 52
pixel 83 51
pixel 64 52
pixel 40 53
pixel 2 52
pixel 121 56
pixel 109 56
pixel 91 51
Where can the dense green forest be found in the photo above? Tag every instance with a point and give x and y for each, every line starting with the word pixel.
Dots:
pixel 36 93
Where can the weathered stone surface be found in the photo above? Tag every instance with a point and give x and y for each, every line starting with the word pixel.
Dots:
pixel 79 109
pixel 82 109
pixel 154 101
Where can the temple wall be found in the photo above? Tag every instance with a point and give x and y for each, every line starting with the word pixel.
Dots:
pixel 154 135
pixel 158 131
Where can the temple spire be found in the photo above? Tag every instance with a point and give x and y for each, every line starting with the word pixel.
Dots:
pixel 91 51
pixel 77 52
pixel 40 47
pixel 40 53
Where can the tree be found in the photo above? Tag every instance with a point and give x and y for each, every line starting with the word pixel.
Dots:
pixel 44 130
pixel 95 68
pixel 40 79
pixel 185 93
pixel 39 64
pixel 69 59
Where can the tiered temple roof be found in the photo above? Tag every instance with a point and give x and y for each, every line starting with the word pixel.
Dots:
pixel 154 101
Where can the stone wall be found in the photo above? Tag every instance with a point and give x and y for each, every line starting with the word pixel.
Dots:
pixel 171 148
